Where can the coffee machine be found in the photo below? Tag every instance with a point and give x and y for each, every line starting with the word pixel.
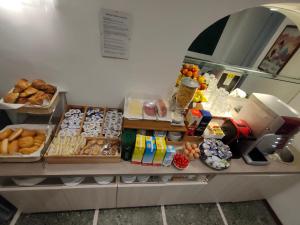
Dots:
pixel 273 124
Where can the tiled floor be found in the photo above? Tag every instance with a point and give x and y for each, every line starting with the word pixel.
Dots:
pixel 246 213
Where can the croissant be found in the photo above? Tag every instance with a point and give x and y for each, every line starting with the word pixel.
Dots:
pixel 11 97
pixel 37 98
pixel 38 84
pixel 17 90
pixel 28 91
pixel 22 100
pixel 48 88
pixel 22 84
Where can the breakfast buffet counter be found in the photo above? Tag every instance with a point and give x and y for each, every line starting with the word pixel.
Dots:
pixel 238 166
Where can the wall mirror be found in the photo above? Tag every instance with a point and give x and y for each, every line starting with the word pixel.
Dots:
pixel 256 43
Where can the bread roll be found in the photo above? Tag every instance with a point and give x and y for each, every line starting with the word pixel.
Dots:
pixel 28 133
pixel 29 150
pixel 4 146
pixel 13 147
pixel 22 84
pixel 5 134
pixel 11 97
pixel 15 134
pixel 25 142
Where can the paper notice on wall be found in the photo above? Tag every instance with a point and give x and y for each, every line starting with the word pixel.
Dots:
pixel 115 33
pixel 228 79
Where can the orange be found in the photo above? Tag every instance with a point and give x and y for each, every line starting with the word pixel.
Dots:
pixel 189 73
pixel 185 66
pixel 185 71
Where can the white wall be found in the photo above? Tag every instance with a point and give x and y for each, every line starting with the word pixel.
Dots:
pixel 62 45
pixel 283 90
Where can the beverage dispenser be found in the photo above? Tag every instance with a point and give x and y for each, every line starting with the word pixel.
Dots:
pixel 273 124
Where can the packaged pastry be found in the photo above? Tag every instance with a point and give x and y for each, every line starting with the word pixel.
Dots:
pixel 66 146
pixel 101 147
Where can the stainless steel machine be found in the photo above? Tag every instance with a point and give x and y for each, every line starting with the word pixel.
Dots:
pixel 273 124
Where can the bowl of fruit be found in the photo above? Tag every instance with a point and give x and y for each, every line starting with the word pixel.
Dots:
pixel 181 161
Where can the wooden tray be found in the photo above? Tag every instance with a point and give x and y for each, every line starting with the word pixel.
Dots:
pixel 77 159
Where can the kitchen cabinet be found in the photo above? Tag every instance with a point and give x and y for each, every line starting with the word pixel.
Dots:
pixel 148 194
pixel 61 198
pixel 234 188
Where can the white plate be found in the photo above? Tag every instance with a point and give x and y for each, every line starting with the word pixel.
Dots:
pixel 71 181
pixel 35 156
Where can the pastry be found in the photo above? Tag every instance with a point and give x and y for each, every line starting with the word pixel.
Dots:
pixel 25 142
pixel 37 98
pixel 17 90
pixel 28 150
pixel 28 133
pixel 39 140
pixel 4 146
pixel 5 134
pixel 11 97
pixel 49 96
pixel 22 100
pixel 48 88
pixel 38 84
pixel 66 145
pixel 15 134
pixel 13 147
pixel 22 84
pixel 28 92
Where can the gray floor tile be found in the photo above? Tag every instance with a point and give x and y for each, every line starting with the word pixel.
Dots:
pixel 195 214
pixel 131 216
pixel 247 213
pixel 57 218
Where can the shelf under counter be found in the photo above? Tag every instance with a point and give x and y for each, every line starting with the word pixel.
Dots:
pixel 152 125
pixel 238 166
